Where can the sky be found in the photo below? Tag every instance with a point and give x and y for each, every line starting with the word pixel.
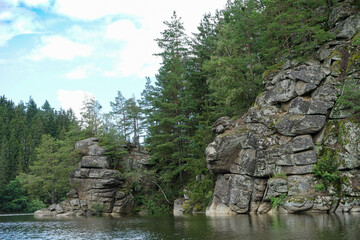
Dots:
pixel 65 51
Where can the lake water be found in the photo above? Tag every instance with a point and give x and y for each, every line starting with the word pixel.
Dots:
pixel 309 227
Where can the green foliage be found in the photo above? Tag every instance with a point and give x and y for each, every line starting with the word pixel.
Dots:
pixel 13 197
pixel 97 209
pixel 326 170
pixel 48 177
pixel 276 202
pixel 114 147
pixel 293 28
pixel 279 175
pixel 319 187
pixel 91 119
pixel 154 204
pixel 34 205
pixel 350 97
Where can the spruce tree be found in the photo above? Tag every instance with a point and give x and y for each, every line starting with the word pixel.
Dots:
pixel 168 130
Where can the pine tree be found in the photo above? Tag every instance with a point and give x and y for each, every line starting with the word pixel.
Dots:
pixel 134 115
pixel 121 116
pixel 91 117
pixel 168 130
pixel 49 172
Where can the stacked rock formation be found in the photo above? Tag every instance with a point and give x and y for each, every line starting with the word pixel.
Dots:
pixel 95 186
pixel 270 152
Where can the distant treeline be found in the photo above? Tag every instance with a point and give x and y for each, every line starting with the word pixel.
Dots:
pixel 215 72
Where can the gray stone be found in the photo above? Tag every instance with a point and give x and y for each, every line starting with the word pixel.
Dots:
pixel 44 213
pixel 120 195
pixel 347 28
pixel 323 203
pixel 300 184
pixel 264 207
pixel 59 209
pixel 245 163
pixel 298 203
pixel 259 128
pixel 221 125
pixel 292 125
pixel 282 92
pixel 94 162
pixel 52 207
pixel 104 173
pixel 124 206
pixel 178 209
pixel 308 74
pixel 83 145
pixel 75 202
pixel 95 150
pixel 259 189
pixel 234 191
pixel 80 173
pixel 221 154
pixel 301 143
pixel 276 187
pixel 305 158
pixel 295 170
pixel 65 215
pixel 267 115
pixel 72 194
pixel 327 94
pixel 302 88
pixel 324 53
pixel 308 106
pixel 340 13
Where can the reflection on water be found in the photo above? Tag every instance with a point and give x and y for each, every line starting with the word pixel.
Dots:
pixel 309 227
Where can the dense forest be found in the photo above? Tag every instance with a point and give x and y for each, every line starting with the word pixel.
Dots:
pixel 216 72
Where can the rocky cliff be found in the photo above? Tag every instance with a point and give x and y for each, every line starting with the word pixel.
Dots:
pixel 96 187
pixel 298 123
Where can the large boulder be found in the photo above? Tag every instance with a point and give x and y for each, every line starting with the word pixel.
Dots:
pixel 298 124
pixel 234 191
pixel 90 147
pixel 94 162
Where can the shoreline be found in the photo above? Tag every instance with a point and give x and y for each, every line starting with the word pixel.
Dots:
pixel 15 214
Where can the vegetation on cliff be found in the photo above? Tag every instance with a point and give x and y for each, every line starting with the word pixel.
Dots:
pixel 215 72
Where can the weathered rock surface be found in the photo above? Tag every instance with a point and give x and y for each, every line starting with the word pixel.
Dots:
pixel 95 186
pixel 270 153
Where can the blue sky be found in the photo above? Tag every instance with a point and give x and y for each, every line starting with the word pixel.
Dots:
pixel 64 50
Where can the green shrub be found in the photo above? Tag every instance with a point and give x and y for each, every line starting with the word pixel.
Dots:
pixel 34 205
pixel 277 201
pixel 319 187
pixel 326 170
pixel 98 208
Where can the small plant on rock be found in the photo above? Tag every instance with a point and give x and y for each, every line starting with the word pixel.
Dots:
pixel 98 208
pixel 326 171
pixel 276 202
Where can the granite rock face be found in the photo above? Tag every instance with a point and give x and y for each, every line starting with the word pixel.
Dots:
pixel 270 153
pixel 96 187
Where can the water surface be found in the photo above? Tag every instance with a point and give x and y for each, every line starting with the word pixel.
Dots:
pixel 309 227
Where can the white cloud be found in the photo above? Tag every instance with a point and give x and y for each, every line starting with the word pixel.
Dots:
pixel 78 73
pixel 132 39
pixel 16 21
pixel 73 99
pixel 59 48
pixel 37 3
pixel 88 10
